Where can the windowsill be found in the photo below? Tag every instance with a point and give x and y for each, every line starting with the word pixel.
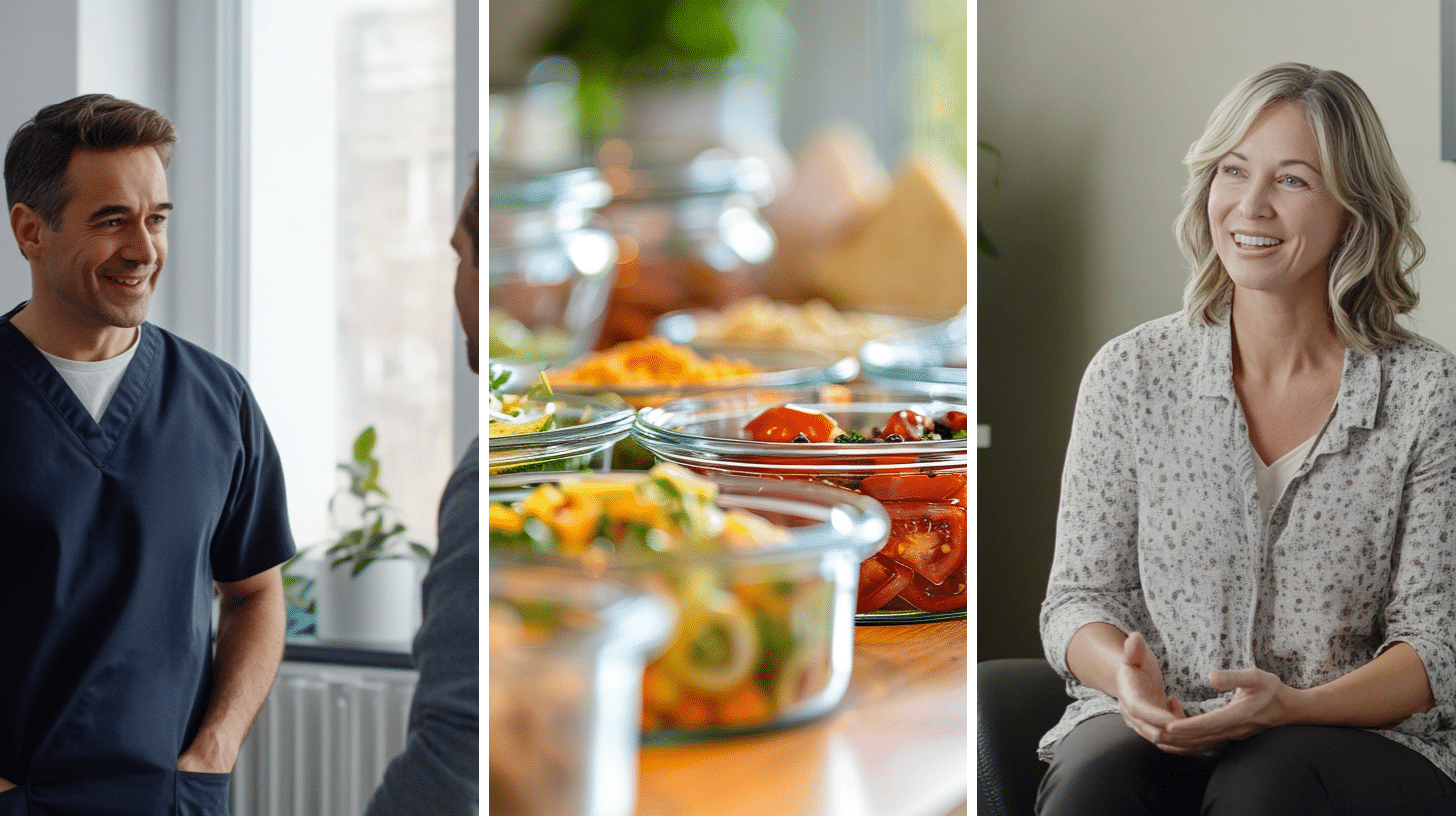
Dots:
pixel 309 649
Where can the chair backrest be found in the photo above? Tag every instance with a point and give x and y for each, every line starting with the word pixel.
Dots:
pixel 1017 701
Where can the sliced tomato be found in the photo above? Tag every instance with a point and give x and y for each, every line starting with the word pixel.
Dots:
pixel 936 598
pixel 932 597
pixel 934 486
pixel 787 423
pixel 956 420
pixel 910 425
pixel 880 580
pixel 929 538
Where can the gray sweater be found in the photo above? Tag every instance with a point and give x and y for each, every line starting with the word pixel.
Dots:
pixel 438 772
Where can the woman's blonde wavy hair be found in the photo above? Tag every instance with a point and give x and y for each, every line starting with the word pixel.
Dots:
pixel 1370 268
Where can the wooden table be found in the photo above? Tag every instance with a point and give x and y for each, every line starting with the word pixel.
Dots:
pixel 895 746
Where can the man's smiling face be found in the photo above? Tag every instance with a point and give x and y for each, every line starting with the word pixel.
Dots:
pixel 98 270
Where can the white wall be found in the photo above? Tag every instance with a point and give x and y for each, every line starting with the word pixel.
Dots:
pixel 1093 104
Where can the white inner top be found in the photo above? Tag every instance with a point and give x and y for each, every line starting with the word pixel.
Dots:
pixel 1272 479
pixel 95 383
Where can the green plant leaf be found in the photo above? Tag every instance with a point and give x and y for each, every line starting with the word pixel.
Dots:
pixel 364 445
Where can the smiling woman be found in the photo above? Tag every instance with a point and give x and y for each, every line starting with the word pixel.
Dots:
pixel 1250 557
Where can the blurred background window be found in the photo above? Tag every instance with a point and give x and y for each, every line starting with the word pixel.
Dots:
pixel 350 203
pixel 897 68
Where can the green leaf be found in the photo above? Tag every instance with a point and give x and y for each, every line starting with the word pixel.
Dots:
pixel 499 375
pixel 360 564
pixel 421 550
pixel 364 445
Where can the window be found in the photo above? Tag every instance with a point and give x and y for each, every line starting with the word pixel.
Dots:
pixel 350 203
pixel 896 68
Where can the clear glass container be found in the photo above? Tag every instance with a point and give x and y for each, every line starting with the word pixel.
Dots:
pixel 566 660
pixel 552 265
pixel 915 358
pixel 777 369
pixel 919 574
pixel 587 428
pixel 766 638
pixel 690 235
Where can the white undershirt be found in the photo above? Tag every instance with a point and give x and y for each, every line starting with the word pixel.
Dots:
pixel 1272 479
pixel 95 383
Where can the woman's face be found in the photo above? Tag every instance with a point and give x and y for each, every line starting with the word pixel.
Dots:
pixel 1273 219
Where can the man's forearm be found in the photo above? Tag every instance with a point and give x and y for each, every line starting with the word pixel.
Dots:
pixel 250 632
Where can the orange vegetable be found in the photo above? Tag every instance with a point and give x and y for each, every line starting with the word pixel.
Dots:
pixel 692 712
pixel 743 705
pixel 651 360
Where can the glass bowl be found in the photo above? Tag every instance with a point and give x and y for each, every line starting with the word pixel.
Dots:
pixel 778 368
pixel 566 660
pixel 756 325
pixel 766 638
pixel 915 358
pixel 920 573
pixel 587 429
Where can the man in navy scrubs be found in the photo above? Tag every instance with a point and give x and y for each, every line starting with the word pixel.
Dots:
pixel 136 473
pixel 438 772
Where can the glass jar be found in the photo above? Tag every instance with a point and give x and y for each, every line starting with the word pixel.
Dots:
pixel 689 233
pixel 766 638
pixel 919 574
pixel 552 264
pixel 566 660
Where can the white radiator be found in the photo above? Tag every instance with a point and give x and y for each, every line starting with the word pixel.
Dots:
pixel 322 741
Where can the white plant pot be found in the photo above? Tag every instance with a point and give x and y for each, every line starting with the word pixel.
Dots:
pixel 380 606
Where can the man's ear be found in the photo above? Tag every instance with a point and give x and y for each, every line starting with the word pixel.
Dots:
pixel 28 228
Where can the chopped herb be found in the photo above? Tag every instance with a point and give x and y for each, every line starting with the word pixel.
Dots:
pixel 499 375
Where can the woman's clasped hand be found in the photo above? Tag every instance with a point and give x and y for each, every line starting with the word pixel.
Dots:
pixel 1260 701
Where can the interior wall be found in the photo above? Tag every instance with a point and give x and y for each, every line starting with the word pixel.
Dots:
pixel 39 64
pixel 1092 104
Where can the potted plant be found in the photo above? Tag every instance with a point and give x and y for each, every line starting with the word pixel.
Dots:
pixel 367 587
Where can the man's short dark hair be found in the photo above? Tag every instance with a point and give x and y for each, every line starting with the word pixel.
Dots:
pixel 40 151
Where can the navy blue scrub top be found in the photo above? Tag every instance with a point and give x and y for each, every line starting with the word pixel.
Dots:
pixel 111 535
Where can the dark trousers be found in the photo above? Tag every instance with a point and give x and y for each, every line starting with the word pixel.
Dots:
pixel 1102 767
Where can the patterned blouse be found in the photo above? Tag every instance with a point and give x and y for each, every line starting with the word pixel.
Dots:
pixel 1158 529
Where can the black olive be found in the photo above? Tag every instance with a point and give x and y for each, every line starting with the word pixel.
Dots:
pixel 894 438
pixel 801 438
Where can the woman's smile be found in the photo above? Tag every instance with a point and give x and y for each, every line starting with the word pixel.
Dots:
pixel 1274 221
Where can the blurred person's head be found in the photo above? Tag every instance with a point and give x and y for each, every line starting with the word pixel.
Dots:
pixel 466 242
pixel 1368 270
